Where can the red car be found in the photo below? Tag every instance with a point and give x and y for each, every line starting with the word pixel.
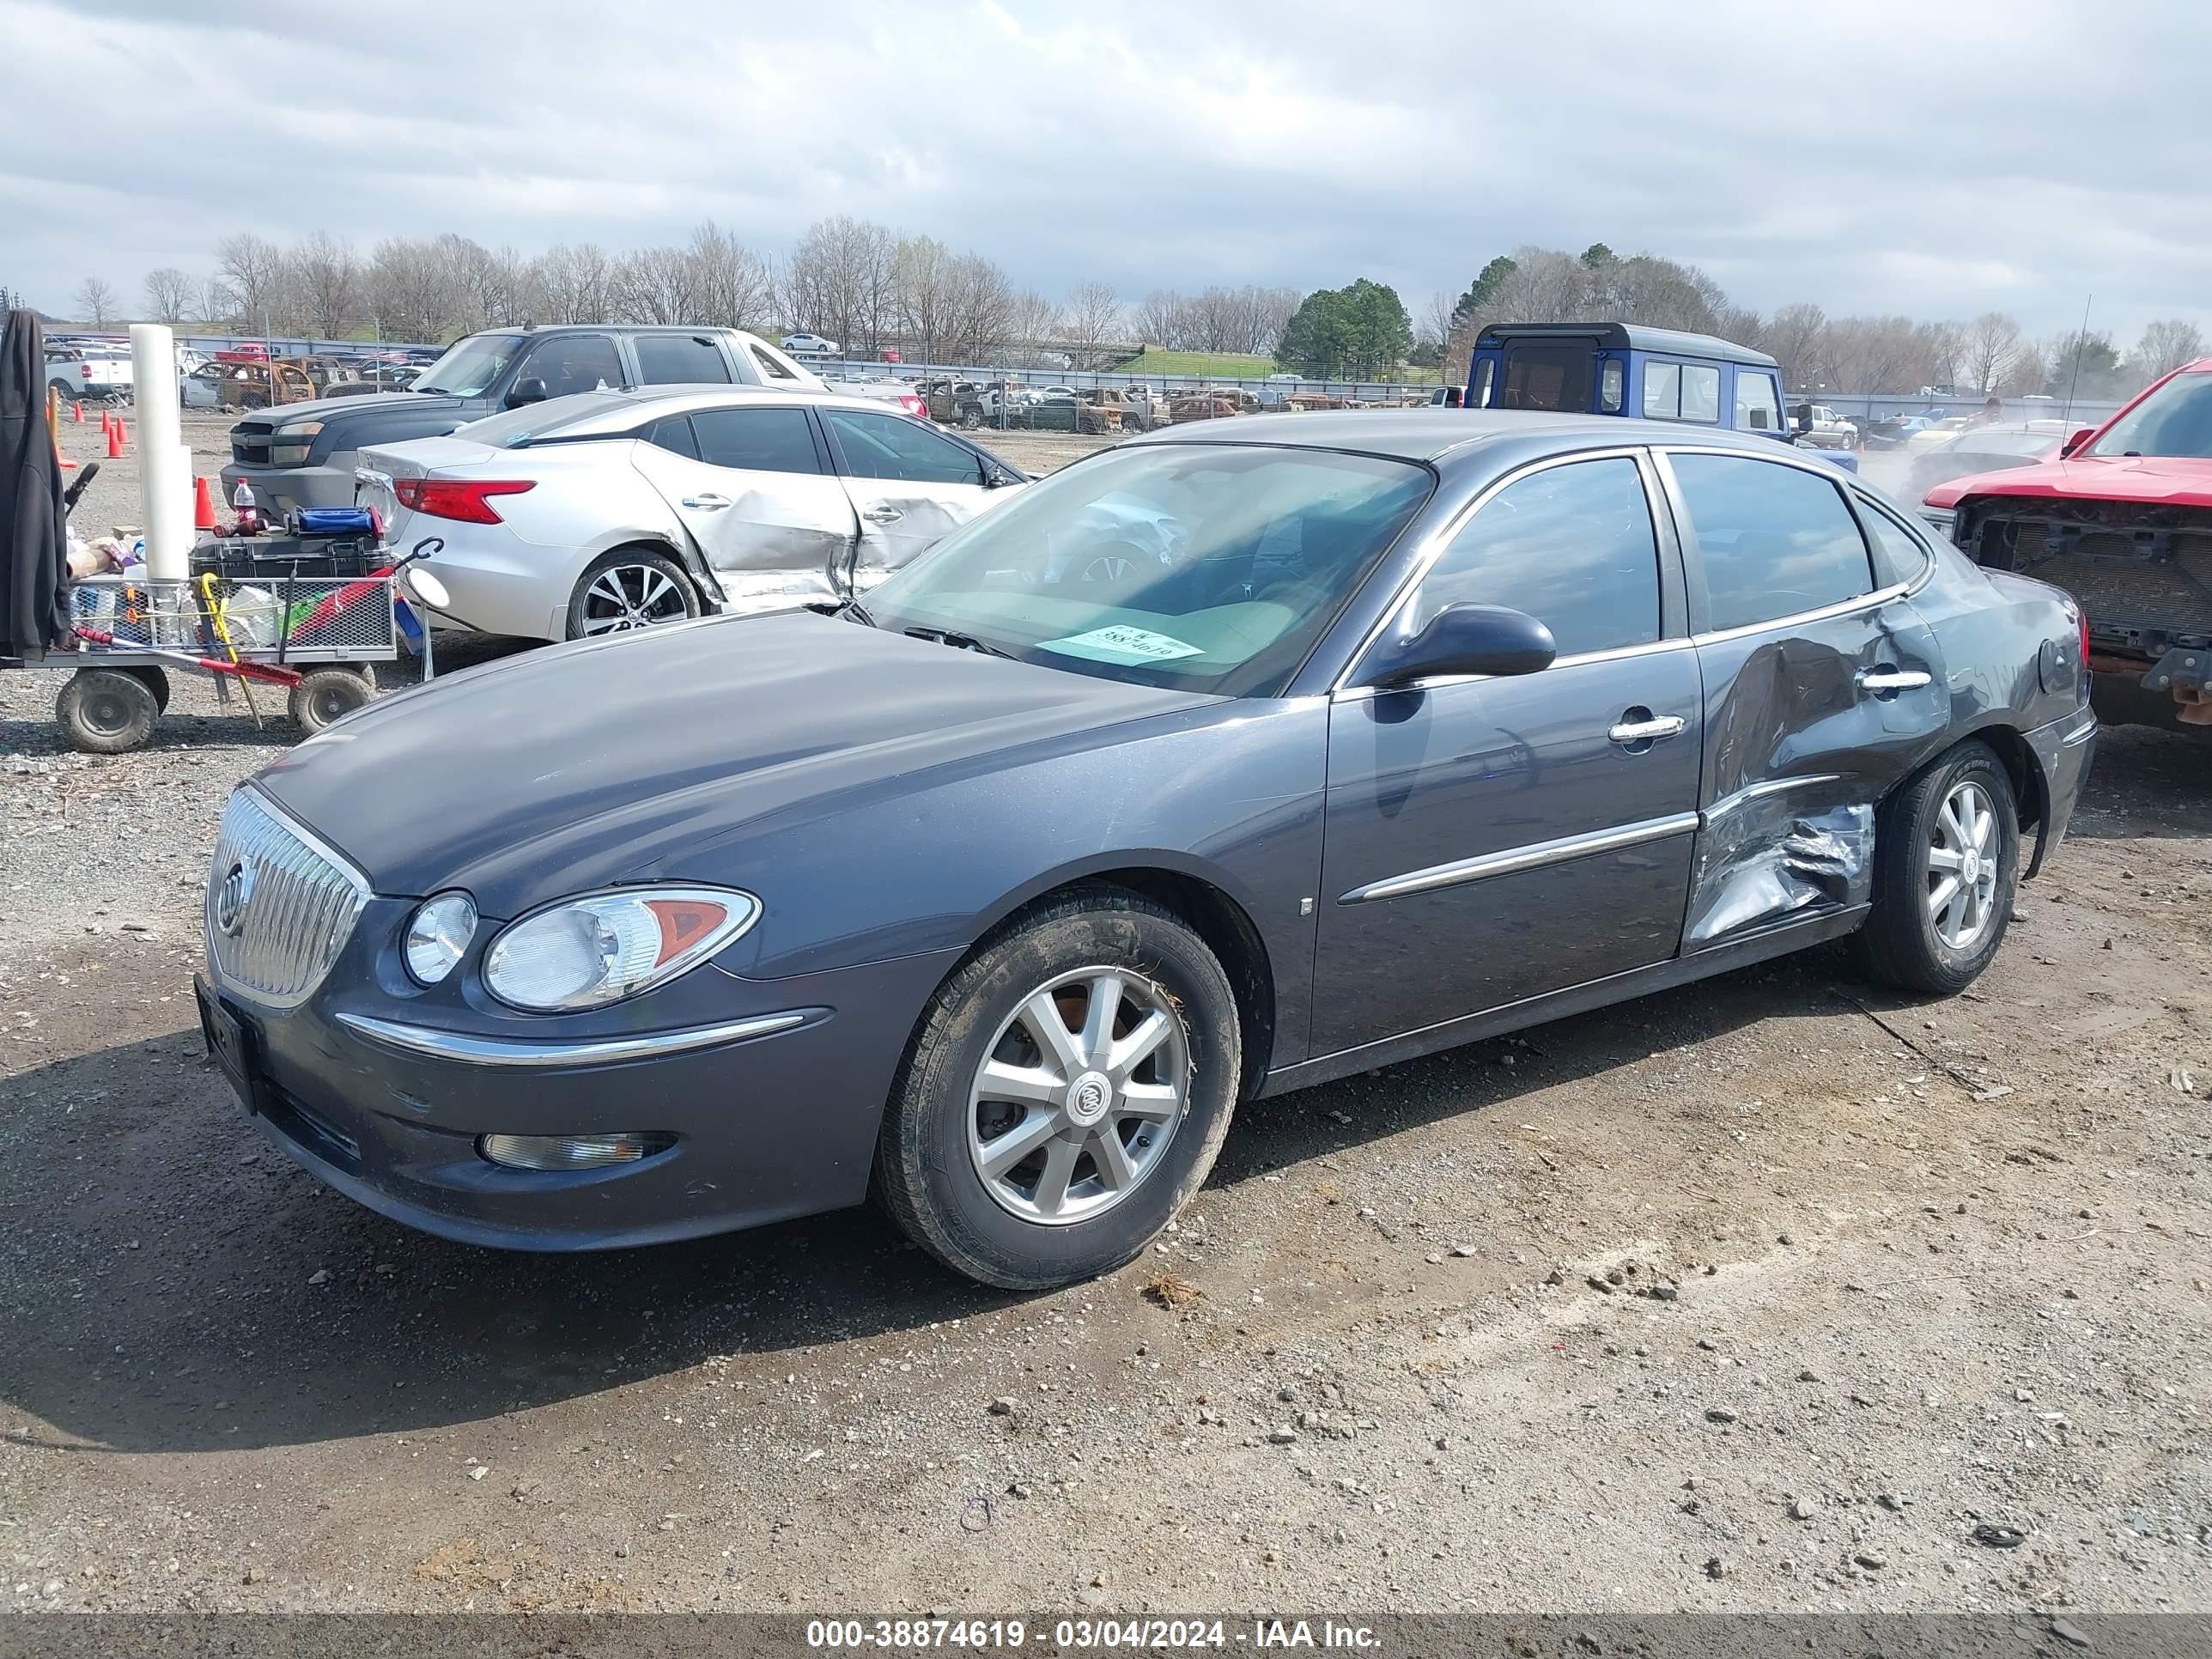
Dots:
pixel 2121 519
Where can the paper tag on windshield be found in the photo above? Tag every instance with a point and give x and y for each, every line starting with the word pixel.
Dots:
pixel 1122 643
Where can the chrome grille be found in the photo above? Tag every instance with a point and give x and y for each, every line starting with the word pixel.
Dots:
pixel 279 905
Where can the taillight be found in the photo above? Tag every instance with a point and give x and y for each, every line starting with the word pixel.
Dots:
pixel 468 500
pixel 2081 612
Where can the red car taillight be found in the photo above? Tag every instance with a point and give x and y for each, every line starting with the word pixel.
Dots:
pixel 915 407
pixel 468 500
pixel 2081 612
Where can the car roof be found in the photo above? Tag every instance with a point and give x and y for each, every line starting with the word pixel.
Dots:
pixel 1628 337
pixel 1430 433
pixel 581 414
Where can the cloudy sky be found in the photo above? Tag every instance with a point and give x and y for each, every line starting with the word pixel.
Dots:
pixel 1940 157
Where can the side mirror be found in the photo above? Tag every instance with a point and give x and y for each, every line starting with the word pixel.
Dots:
pixel 2076 441
pixel 528 390
pixel 1466 639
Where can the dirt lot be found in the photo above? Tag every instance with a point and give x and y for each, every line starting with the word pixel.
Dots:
pixel 1935 1268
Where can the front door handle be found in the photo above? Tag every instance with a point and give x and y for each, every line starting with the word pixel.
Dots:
pixel 1878 680
pixel 883 515
pixel 710 502
pixel 1641 725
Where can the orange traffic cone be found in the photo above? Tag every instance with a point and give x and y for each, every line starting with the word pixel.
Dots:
pixel 122 431
pixel 203 506
pixel 115 441
pixel 107 420
pixel 80 411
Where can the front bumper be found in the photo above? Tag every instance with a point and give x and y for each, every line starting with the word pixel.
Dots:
pixel 769 1092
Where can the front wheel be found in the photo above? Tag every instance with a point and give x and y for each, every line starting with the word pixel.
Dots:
pixel 327 695
pixel 1947 848
pixel 627 589
pixel 107 711
pixel 1067 1093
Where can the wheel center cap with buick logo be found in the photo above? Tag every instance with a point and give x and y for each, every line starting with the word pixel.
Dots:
pixel 1088 1100
pixel 232 899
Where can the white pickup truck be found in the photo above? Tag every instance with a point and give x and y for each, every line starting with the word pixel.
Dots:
pixel 77 371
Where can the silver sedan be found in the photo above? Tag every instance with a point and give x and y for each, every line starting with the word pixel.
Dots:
pixel 611 510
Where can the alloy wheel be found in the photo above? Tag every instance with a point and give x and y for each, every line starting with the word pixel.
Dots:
pixel 1962 866
pixel 1079 1095
pixel 626 596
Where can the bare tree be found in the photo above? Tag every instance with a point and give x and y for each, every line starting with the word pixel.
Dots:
pixel 328 279
pixel 923 287
pixel 96 300
pixel 1987 349
pixel 1159 319
pixel 1092 318
pixel 982 305
pixel 1032 318
pixel 1434 325
pixel 254 274
pixel 2165 344
pixel 656 285
pixel 574 283
pixel 169 294
pixel 216 304
pixel 730 283
pixel 842 281
pixel 1791 338
pixel 415 292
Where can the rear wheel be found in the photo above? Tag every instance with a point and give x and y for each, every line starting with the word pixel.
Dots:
pixel 107 711
pixel 630 588
pixel 1065 1095
pixel 155 681
pixel 1947 850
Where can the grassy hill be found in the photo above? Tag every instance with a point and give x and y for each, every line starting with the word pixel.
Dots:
pixel 1224 365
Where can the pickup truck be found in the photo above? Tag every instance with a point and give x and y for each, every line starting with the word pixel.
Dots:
pixel 2121 517
pixel 1625 368
pixel 93 375
pixel 1820 426
pixel 302 454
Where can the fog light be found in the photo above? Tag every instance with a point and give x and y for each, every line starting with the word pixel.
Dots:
pixel 567 1152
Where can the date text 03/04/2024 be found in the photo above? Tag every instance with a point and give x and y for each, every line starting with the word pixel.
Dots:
pixel 1083 1635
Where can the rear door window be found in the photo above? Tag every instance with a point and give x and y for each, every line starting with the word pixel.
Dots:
pixel 1774 540
pixel 679 360
pixel 1543 375
pixel 756 440
pixel 771 366
pixel 673 434
pixel 1682 392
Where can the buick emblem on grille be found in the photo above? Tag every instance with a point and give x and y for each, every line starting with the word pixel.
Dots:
pixel 232 899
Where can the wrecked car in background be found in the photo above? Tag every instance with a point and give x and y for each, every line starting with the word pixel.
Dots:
pixel 2121 517
pixel 609 511
pixel 1394 732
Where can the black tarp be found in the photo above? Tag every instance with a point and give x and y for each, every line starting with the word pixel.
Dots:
pixel 33 558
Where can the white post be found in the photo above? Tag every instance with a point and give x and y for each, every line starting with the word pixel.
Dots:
pixel 165 468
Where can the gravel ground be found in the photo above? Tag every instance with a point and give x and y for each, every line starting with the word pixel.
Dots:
pixel 1922 1270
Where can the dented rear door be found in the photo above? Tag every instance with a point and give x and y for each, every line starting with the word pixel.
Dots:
pixel 1823 687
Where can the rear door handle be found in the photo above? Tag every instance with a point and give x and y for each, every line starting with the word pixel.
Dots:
pixel 1648 729
pixel 710 502
pixel 1892 679
pixel 883 515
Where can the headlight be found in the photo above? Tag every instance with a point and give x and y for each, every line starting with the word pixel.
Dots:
pixel 290 445
pixel 587 952
pixel 438 936
pixel 1943 521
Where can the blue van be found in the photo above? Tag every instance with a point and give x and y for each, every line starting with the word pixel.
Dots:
pixel 1622 368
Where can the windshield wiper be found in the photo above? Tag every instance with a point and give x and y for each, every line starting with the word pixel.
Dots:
pixel 960 641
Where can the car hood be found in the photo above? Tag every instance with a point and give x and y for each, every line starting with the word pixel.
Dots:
pixel 606 759
pixel 2173 480
pixel 323 407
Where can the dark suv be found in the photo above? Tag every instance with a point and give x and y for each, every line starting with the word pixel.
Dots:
pixel 302 455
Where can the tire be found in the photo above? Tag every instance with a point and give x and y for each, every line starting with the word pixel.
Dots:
pixel 649 582
pixel 107 711
pixel 157 682
pixel 943 1120
pixel 971 420
pixel 64 390
pixel 329 694
pixel 1907 941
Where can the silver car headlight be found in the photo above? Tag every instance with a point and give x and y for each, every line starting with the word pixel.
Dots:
pixel 589 952
pixel 1941 520
pixel 438 936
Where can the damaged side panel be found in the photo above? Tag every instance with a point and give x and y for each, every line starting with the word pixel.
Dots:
pixel 1808 725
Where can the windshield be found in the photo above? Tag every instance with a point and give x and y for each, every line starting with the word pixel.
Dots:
pixel 470 365
pixel 2174 420
pixel 1203 566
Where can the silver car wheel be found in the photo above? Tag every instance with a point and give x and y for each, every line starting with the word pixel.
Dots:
pixel 625 596
pixel 1962 866
pixel 1079 1095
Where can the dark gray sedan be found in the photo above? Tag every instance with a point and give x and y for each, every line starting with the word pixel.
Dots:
pixel 1219 763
